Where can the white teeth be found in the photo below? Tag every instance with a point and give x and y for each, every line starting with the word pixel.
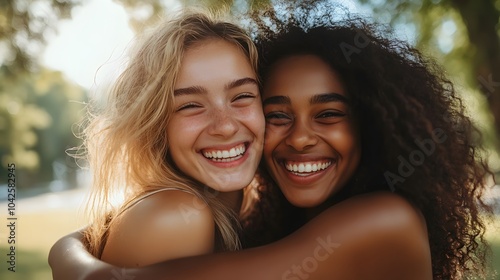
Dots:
pixel 225 154
pixel 307 167
pixel 301 167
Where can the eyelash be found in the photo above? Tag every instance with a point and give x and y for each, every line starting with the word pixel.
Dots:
pixel 194 105
pixel 278 117
pixel 331 114
pixel 244 95
pixel 187 106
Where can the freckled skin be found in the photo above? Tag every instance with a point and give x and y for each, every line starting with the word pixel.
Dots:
pixel 299 131
pixel 217 117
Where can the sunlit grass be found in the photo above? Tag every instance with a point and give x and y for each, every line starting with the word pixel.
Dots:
pixel 30 265
pixel 495 260
pixel 493 237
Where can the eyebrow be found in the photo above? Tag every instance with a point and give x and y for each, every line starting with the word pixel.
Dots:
pixel 316 99
pixel 228 86
pixel 328 97
pixel 240 82
pixel 277 100
pixel 190 90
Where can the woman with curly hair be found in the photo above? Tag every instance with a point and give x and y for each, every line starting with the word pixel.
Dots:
pixel 378 171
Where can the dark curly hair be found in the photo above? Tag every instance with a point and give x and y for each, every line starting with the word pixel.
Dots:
pixel 416 138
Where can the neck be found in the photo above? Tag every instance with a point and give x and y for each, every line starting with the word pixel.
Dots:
pixel 311 213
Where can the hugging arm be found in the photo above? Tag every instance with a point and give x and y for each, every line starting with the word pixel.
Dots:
pixel 69 259
pixel 375 236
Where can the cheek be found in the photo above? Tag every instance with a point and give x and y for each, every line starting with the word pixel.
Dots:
pixel 253 118
pixel 344 139
pixel 273 137
pixel 183 132
pixel 186 125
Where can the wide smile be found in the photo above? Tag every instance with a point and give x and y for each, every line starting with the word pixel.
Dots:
pixel 225 155
pixel 306 168
pixel 305 172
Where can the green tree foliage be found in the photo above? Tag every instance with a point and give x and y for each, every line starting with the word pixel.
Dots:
pixel 23 25
pixel 473 53
pixel 35 110
pixel 144 13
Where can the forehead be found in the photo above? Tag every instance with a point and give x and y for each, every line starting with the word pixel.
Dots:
pixel 211 47
pixel 212 60
pixel 302 76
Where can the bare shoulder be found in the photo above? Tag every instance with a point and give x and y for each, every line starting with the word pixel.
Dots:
pixel 384 210
pixel 381 234
pixel 166 225
pixel 172 206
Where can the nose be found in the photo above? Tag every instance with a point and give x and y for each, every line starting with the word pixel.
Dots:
pixel 223 123
pixel 300 136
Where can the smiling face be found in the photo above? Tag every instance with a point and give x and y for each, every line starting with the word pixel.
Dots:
pixel 216 133
pixel 312 146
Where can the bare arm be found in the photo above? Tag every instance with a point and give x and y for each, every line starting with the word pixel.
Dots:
pixel 70 260
pixel 376 236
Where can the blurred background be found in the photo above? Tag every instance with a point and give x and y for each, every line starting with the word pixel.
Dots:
pixel 54 54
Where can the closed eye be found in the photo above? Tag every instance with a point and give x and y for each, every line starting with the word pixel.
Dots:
pixel 244 96
pixel 244 99
pixel 188 106
pixel 278 118
pixel 330 114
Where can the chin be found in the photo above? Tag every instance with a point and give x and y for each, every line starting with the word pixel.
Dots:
pixel 230 187
pixel 304 202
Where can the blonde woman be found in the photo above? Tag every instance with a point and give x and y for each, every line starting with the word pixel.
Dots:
pixel 182 135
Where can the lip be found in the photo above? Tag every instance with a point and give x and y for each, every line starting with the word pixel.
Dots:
pixel 231 163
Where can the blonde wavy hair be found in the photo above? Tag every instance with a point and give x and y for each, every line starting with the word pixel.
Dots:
pixel 125 143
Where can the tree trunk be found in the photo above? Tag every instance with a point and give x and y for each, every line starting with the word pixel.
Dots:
pixel 481 19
